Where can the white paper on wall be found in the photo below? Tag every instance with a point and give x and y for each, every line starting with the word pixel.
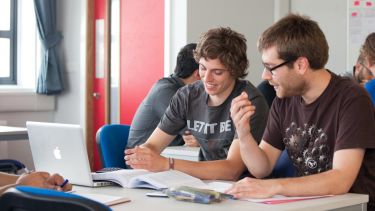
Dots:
pixel 99 48
pixel 361 22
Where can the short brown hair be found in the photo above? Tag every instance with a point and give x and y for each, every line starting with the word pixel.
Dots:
pixel 226 45
pixel 368 48
pixel 295 36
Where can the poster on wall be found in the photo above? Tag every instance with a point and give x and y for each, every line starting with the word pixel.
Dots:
pixel 361 22
pixel 99 50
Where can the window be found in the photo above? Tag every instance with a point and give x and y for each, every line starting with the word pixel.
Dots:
pixel 19 95
pixel 19 73
pixel 8 42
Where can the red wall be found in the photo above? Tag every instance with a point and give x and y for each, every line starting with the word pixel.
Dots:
pixel 141 53
pixel 99 87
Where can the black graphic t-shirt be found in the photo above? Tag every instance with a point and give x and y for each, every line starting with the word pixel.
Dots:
pixel 341 118
pixel 308 148
pixel 211 125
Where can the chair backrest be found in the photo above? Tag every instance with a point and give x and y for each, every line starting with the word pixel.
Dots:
pixel 284 166
pixel 268 91
pixel 32 199
pixel 111 141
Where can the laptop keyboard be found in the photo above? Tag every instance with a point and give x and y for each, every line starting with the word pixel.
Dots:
pixel 108 169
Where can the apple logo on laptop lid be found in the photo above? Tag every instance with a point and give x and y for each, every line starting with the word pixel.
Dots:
pixel 57 153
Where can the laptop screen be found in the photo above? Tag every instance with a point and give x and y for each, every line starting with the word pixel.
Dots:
pixel 60 148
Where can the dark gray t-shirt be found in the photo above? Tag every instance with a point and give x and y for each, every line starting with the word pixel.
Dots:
pixel 341 118
pixel 152 109
pixel 211 125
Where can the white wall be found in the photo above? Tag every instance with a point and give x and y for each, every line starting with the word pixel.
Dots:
pixel 174 32
pixel 251 18
pixel 68 105
pixel 247 17
pixel 332 18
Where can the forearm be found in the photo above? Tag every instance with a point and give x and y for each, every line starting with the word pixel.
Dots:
pixel 211 170
pixel 332 182
pixel 154 148
pixel 6 179
pixel 338 180
pixel 158 140
pixel 254 157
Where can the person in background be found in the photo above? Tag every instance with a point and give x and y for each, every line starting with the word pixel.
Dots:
pixel 361 73
pixel 324 121
pixel 203 107
pixel 157 100
pixel 35 179
pixel 368 64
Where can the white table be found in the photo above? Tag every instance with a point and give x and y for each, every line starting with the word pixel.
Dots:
pixel 12 133
pixel 139 201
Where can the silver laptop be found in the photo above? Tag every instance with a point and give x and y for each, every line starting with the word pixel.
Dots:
pixel 60 148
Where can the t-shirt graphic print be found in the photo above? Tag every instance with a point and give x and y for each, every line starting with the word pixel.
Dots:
pixel 308 148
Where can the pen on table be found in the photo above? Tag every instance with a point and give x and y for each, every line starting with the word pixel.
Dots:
pixel 64 183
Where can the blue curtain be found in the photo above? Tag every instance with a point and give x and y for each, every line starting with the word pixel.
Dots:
pixel 50 76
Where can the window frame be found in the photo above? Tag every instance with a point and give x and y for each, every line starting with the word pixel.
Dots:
pixel 12 36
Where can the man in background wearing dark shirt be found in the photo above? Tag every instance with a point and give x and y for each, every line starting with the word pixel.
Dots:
pixel 157 100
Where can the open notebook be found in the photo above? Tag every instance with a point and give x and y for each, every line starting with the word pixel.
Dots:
pixel 130 178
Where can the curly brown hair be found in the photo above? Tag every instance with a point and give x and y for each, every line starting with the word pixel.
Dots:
pixel 226 45
pixel 368 48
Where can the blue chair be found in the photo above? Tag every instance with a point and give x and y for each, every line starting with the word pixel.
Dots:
pixel 11 166
pixel 284 166
pixel 25 198
pixel 111 141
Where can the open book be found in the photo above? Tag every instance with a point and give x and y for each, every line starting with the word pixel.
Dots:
pixel 130 178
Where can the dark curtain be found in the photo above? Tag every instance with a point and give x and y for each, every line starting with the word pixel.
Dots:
pixel 50 76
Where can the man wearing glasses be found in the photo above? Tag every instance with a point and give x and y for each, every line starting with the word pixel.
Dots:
pixel 325 122
pixel 361 73
pixel 203 108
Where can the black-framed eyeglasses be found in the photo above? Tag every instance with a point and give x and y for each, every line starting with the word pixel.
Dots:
pixel 366 68
pixel 277 66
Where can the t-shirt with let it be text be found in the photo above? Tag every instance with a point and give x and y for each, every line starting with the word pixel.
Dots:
pixel 211 125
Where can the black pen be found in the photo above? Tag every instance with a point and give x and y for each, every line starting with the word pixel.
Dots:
pixel 64 183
